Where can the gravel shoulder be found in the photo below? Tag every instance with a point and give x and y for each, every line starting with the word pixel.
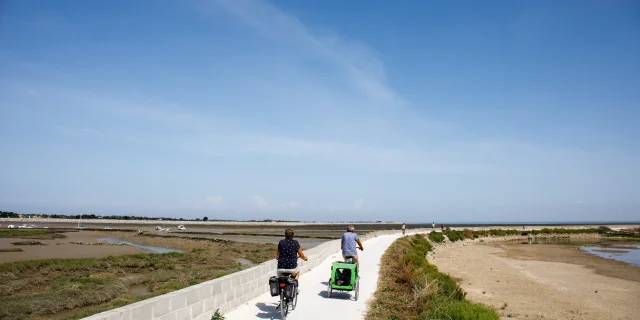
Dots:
pixel 542 281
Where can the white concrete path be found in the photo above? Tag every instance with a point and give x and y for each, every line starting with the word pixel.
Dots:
pixel 313 302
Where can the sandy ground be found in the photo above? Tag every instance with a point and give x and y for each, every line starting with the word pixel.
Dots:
pixel 542 281
pixel 66 249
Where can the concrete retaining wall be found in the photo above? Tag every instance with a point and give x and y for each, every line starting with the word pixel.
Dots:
pixel 226 293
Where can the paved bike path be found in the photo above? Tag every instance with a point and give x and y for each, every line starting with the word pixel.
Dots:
pixel 313 302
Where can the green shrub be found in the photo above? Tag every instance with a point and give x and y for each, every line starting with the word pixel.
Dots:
pixel 217 315
pixel 454 235
pixel 468 234
pixel 436 237
pixel 604 229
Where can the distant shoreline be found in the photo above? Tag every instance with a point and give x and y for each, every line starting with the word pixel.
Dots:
pixel 307 223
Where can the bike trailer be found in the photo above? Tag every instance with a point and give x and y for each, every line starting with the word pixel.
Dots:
pixel 343 276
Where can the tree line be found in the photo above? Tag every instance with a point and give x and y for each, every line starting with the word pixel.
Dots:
pixel 9 214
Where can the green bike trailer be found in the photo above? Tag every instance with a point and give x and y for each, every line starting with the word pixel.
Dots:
pixel 344 277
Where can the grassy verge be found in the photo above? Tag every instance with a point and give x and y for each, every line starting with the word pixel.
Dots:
pixel 410 288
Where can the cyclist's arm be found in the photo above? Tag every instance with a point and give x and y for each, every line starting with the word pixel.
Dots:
pixel 302 254
pixel 278 253
pixel 360 244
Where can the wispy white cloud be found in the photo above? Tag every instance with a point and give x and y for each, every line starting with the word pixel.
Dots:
pixel 260 201
pixel 358 203
pixel 231 136
pixel 290 205
pixel 213 199
pixel 358 61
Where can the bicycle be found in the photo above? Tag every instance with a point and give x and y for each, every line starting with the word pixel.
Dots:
pixel 287 300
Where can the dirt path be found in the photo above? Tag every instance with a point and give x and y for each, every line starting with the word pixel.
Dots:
pixel 543 281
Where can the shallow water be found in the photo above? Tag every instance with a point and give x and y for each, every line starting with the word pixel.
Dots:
pixel 607 248
pixel 139 290
pixel 568 241
pixel 630 253
pixel 154 249
pixel 245 262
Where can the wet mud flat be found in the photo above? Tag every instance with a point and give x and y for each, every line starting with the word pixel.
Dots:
pixel 63 247
pixel 544 281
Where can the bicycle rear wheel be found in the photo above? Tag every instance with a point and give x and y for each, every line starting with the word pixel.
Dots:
pixel 357 290
pixel 294 301
pixel 284 307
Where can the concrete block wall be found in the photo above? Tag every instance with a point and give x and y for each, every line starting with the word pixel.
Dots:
pixel 226 293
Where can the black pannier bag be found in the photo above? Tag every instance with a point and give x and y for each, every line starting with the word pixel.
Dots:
pixel 290 288
pixel 273 286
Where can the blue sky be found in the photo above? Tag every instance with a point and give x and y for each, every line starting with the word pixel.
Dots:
pixel 324 110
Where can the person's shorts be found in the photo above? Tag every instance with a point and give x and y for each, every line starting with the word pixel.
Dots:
pixel 282 272
pixel 354 256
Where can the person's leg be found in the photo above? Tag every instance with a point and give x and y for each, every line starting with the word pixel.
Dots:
pixel 297 276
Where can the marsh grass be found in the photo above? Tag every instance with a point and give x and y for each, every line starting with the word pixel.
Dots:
pixel 30 234
pixel 410 288
pixel 457 235
pixel 76 288
pixel 16 233
pixel 28 243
